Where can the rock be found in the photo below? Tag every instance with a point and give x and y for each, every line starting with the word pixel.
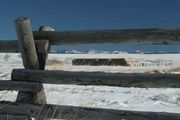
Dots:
pixel 46 28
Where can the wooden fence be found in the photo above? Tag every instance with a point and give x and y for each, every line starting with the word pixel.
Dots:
pixel 129 36
pixel 34 54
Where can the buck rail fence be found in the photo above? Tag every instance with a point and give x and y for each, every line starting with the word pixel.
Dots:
pixel 34 55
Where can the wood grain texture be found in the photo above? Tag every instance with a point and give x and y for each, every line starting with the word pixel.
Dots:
pixel 13 117
pixel 20 85
pixel 127 36
pixel 81 113
pixel 27 45
pixel 30 59
pixel 99 78
pixel 42 47
pixel 133 36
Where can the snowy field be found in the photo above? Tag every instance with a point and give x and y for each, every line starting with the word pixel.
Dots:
pixel 164 99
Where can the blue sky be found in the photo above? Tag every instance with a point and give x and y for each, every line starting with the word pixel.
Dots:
pixel 89 14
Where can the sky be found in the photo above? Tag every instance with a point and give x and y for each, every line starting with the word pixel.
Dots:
pixel 89 14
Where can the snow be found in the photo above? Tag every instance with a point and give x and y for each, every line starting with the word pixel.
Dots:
pixel 160 62
pixel 138 99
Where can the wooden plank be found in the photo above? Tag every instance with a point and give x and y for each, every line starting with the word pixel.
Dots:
pixel 13 117
pixel 26 41
pixel 9 46
pixel 12 46
pixel 127 36
pixel 20 85
pixel 135 36
pixel 81 113
pixel 42 47
pixel 30 59
pixel 99 78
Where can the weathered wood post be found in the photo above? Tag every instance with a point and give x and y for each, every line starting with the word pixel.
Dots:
pixel 30 59
pixel 27 45
pixel 42 47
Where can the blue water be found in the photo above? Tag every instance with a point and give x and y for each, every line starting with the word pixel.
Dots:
pixel 120 47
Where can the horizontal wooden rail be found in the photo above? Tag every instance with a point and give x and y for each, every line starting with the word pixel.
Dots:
pixel 130 36
pixel 19 85
pixel 98 78
pixel 80 113
pixel 10 46
pixel 13 117
pixel 133 36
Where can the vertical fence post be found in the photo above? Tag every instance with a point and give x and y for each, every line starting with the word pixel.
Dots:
pixel 30 59
pixel 42 47
pixel 26 41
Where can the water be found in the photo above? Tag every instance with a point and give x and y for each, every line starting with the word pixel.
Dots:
pixel 119 47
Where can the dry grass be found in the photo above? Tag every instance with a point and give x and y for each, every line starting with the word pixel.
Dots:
pixel 54 62
pixel 176 69
pixel 152 71
pixel 170 70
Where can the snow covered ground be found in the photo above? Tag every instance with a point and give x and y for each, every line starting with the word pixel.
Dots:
pixel 153 99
